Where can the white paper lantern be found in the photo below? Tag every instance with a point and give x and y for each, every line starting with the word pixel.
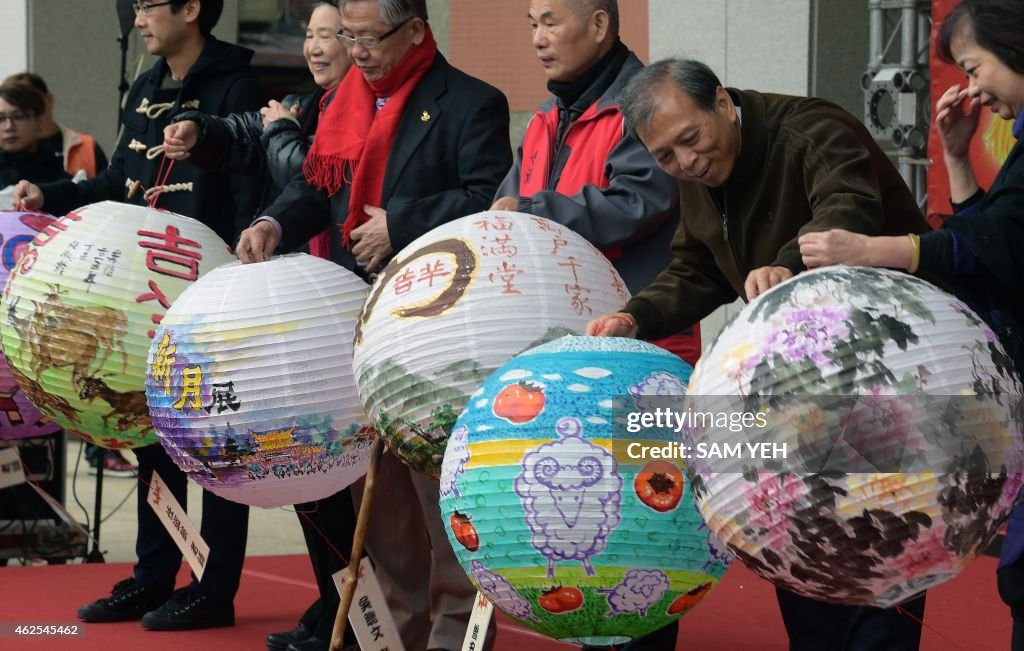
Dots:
pixel 250 381
pixel 458 303
pixel 901 416
pixel 83 303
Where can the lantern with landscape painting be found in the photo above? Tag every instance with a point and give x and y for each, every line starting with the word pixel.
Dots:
pixel 553 507
pixel 19 418
pixel 459 302
pixel 83 303
pixel 892 416
pixel 250 381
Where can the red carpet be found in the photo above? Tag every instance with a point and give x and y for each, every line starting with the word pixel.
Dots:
pixel 740 614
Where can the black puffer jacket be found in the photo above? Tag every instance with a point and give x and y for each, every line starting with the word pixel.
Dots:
pixel 220 82
pixel 238 144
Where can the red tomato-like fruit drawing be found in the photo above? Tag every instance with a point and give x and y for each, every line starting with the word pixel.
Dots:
pixel 688 600
pixel 659 485
pixel 561 599
pixel 464 531
pixel 519 403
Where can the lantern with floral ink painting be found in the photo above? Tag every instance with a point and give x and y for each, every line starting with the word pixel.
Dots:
pixel 887 417
pixel 83 303
pixel 554 511
pixel 19 418
pixel 459 302
pixel 250 381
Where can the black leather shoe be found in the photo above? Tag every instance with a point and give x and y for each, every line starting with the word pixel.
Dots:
pixel 189 609
pixel 130 599
pixel 280 641
pixel 310 644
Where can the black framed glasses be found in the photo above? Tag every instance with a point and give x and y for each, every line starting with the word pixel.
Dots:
pixel 15 118
pixel 145 7
pixel 370 42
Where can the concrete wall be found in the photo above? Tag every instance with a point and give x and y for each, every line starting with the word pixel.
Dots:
pixel 14 44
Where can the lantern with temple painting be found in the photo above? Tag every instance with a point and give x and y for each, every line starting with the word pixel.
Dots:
pixel 553 507
pixel 19 418
pixel 250 381
pixel 889 421
pixel 457 303
pixel 83 303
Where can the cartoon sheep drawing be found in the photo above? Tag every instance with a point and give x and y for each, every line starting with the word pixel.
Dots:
pixel 659 389
pixel 570 490
pixel 639 590
pixel 456 457
pixel 501 593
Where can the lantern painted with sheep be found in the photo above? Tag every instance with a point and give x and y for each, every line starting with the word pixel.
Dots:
pixel 83 303
pixel 552 506
pixel 250 381
pixel 458 303
pixel 19 418
pixel 900 417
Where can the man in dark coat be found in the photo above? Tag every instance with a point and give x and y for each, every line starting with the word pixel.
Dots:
pixel 407 144
pixel 195 71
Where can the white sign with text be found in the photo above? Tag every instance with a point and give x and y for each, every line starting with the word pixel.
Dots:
pixel 178 524
pixel 369 615
pixel 479 622
pixel 12 472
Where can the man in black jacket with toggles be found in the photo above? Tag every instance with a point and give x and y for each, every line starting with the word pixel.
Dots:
pixel 195 71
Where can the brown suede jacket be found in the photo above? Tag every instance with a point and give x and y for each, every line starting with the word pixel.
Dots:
pixel 805 165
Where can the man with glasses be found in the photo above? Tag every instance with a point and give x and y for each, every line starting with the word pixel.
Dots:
pixel 407 144
pixel 195 70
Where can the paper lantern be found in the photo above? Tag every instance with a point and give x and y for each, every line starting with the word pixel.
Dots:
pixel 459 302
pixel 900 413
pixel 551 511
pixel 19 418
pixel 82 304
pixel 250 381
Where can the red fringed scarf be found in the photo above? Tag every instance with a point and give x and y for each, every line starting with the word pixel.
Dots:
pixel 353 139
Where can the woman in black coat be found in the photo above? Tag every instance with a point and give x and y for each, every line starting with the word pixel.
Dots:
pixel 23 154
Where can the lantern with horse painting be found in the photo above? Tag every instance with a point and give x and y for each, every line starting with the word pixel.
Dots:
pixel 83 303
pixel 458 303
pixel 19 418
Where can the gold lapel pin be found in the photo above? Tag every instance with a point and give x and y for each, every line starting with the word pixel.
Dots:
pixel 425 117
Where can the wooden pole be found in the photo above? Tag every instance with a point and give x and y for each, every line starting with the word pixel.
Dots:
pixel 352 576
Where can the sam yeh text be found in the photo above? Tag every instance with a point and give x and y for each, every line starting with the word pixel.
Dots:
pixel 704 450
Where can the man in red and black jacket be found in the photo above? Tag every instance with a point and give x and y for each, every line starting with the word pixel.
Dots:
pixel 578 166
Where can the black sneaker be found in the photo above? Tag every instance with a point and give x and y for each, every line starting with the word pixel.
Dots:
pixel 130 599
pixel 189 609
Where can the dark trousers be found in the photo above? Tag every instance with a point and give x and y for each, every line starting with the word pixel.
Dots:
pixel 819 626
pixel 663 639
pixel 225 528
pixel 1010 580
pixel 326 523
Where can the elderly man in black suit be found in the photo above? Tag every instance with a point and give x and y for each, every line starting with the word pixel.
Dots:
pixel 407 143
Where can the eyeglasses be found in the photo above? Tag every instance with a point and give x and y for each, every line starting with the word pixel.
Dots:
pixel 15 118
pixel 145 7
pixel 370 42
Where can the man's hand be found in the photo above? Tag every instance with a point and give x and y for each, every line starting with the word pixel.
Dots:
pixel 619 324
pixel 275 111
pixel 257 243
pixel 371 242
pixel 761 280
pixel 27 196
pixel 834 247
pixel 180 138
pixel 506 203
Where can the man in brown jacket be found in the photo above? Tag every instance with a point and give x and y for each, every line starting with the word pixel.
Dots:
pixel 756 171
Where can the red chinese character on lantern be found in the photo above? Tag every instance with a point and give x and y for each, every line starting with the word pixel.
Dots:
pixel 403 282
pixel 154 294
pixel 507 272
pixel 170 247
pixel 482 224
pixel 546 226
pixel 502 224
pixel 432 271
pixel 558 243
pixel 504 247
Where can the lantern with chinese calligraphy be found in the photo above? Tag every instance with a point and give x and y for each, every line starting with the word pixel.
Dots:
pixel 81 307
pixel 250 381
pixel 556 508
pixel 457 303
pixel 888 420
pixel 19 418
